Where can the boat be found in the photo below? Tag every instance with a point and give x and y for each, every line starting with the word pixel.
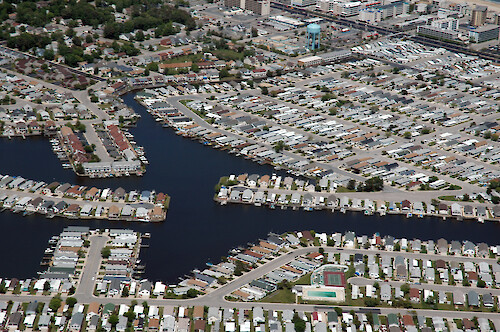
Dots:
pixel 342 210
pixel 409 215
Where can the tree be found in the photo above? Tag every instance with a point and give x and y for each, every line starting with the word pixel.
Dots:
pixel 113 320
pixel 370 302
pixel 223 73
pixel 279 146
pixel 405 288
pixel 125 291
pixel 192 293
pixel 407 135
pixel 481 283
pixel 351 185
pixel 299 323
pixel 255 32
pixel 55 303
pixel 105 252
pixel 139 35
pixel 264 90
pixel 71 301
pixel 46 286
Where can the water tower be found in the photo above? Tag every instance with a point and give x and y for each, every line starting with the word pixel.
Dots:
pixel 313 36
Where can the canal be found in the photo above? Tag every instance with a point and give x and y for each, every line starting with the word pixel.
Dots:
pixel 196 230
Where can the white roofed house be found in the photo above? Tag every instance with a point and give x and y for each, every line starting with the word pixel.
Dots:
pixel 456 209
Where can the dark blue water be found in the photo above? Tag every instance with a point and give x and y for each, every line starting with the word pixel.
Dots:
pixel 196 230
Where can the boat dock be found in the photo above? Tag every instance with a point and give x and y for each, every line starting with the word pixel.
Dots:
pixel 78 202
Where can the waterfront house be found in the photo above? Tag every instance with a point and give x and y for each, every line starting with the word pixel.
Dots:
pixel 468 211
pixel 469 249
pixel 483 250
pixel 264 181
pixel 92 193
pixel 145 289
pixel 113 212
pixel 455 247
pixel 247 196
pixel 45 207
pixel 119 194
pixel 62 188
pixel 443 208
pixel 59 207
pixel 72 210
pixel 442 246
pixel 456 209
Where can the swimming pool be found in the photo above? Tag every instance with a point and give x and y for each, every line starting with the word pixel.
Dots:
pixel 321 294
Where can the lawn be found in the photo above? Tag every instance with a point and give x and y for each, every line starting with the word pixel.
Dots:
pixel 280 296
pixel 448 198
pixel 342 189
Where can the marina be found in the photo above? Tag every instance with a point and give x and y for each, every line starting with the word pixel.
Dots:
pixel 297 194
pixel 79 202
pixel 211 228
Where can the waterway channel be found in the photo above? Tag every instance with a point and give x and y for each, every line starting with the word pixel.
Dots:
pixel 197 230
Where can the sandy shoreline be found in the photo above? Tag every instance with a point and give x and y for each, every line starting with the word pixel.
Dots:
pixel 492 6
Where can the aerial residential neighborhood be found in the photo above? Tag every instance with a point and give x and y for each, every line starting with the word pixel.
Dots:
pixel 250 166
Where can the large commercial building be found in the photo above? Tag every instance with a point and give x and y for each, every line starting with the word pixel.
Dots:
pixel 484 33
pixel 446 24
pixel 325 58
pixel 370 15
pixel 378 13
pixel 260 7
pixel 303 3
pixel 443 34
pixel 478 16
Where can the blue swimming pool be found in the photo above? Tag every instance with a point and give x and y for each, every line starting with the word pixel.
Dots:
pixel 321 294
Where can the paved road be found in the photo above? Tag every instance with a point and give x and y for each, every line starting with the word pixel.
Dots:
pixel 92 263
pixel 199 121
pixel 360 281
pixel 413 196
pixel 216 298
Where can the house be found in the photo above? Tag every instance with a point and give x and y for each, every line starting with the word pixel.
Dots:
pixel 75 324
pixel 385 292
pixel 414 295
pixel 442 208
pixel 200 325
pixel 145 290
pixel 442 246
pixel 473 299
pixel 198 312
pixel 213 315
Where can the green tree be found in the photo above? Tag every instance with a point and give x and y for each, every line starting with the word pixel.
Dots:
pixel 105 252
pixel 192 293
pixel 279 146
pixel 71 301
pixel 405 288
pixel 55 303
pixel 113 320
pixel 299 323
pixel 223 73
